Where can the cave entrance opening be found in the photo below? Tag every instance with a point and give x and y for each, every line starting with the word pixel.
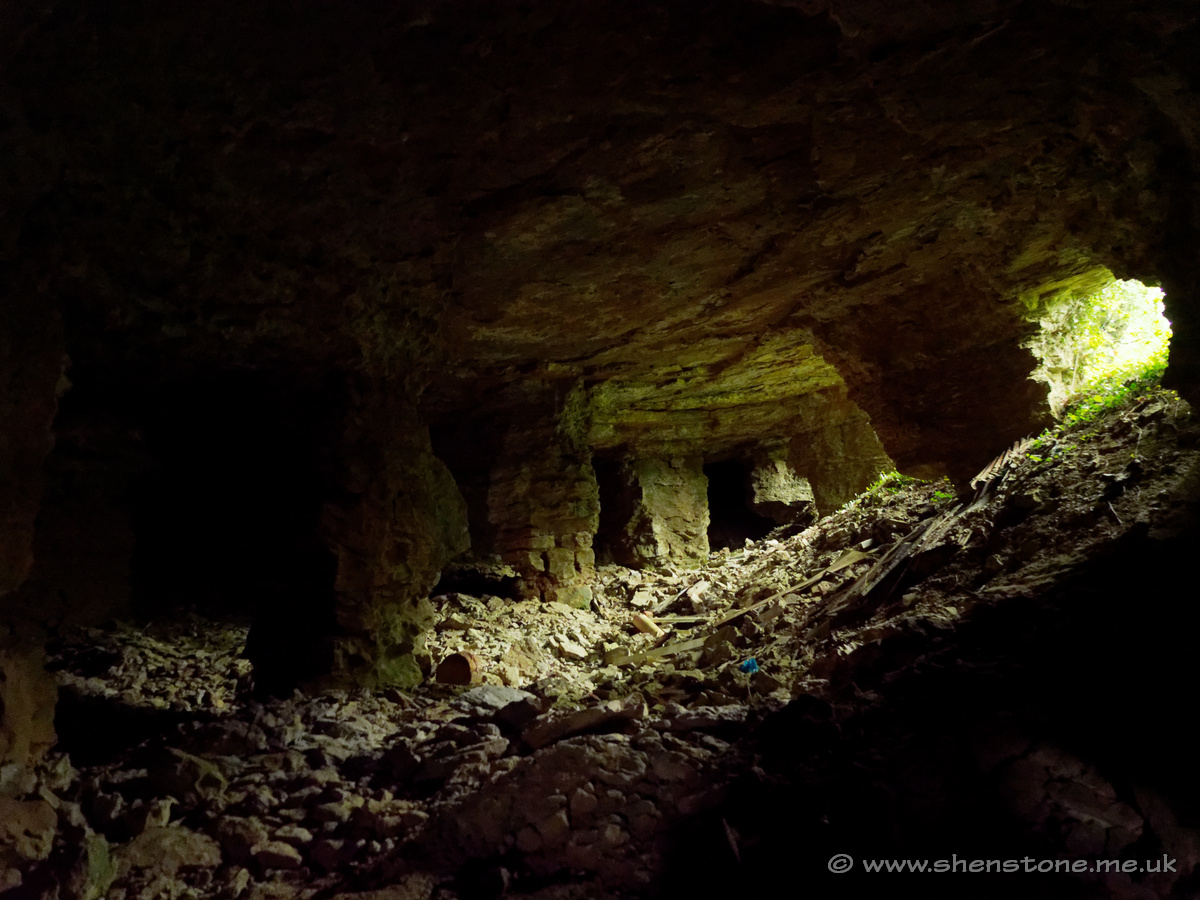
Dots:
pixel 731 519
pixel 1088 343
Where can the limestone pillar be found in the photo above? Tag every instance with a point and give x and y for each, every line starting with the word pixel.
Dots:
pixel 401 521
pixel 667 504
pixel 27 698
pixel 840 459
pixel 544 504
pixel 777 492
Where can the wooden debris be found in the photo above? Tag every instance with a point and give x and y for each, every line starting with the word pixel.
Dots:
pixel 997 466
pixel 657 653
pixel 646 625
pixel 891 566
pixel 848 558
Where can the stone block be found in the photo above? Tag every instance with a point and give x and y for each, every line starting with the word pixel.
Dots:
pixel 781 495
pixel 526 561
pixel 585 559
pixel 169 849
pixel 560 564
pixel 28 826
pixel 278 855
pixel 577 596
pixel 668 517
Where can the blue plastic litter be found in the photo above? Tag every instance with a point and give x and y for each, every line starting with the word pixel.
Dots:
pixel 750 666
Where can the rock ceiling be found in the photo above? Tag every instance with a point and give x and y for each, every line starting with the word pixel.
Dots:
pixel 618 230
pixel 700 213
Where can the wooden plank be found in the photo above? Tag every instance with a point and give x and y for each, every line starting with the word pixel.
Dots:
pixel 657 653
pixel 848 558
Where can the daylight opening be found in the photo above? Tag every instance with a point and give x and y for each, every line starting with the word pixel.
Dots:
pixel 1115 334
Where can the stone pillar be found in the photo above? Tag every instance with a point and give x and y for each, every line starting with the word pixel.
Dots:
pixel 544 504
pixel 31 374
pixel 27 698
pixel 777 492
pixel 667 503
pixel 403 521
pixel 842 458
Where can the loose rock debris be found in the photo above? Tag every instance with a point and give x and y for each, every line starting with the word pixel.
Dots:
pixel 569 746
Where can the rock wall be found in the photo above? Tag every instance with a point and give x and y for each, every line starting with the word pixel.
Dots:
pixel 544 503
pixel 27 698
pixel 777 492
pixel 402 521
pixel 840 459
pixel 800 222
pixel 31 373
pixel 664 505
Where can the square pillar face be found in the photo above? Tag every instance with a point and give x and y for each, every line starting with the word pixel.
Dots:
pixel 666 501
pixel 781 495
pixel 544 503
pixel 404 519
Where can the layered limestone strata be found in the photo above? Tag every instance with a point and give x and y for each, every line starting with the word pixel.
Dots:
pixel 543 502
pixel 778 493
pixel 661 513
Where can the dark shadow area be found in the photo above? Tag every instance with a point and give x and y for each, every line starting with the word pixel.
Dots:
pixel 228 521
pixel 229 514
pixel 476 580
pixel 616 509
pixel 943 760
pixel 214 482
pixel 468 446
pixel 731 521
pixel 94 730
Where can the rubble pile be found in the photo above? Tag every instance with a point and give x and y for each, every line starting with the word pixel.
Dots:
pixel 584 743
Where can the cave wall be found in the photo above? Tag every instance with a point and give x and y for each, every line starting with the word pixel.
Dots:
pixel 650 231
pixel 31 371
pixel 401 520
pixel 665 513
pixel 777 492
pixel 543 499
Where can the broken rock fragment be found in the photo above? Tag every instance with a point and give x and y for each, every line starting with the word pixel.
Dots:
pixel 554 726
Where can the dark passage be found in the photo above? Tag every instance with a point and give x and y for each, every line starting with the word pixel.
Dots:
pixel 227 517
pixel 616 509
pixel 730 519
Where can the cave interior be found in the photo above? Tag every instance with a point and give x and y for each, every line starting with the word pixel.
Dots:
pixel 569 343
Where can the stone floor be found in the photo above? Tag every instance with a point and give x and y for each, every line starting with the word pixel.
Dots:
pixel 898 677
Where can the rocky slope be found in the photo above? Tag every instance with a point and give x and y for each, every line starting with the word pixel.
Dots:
pixel 998 675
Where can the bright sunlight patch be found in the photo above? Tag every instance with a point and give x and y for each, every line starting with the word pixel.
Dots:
pixel 1097 343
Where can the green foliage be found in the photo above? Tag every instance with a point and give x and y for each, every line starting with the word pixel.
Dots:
pixel 1110 334
pixel 891 482
pixel 1110 390
pixel 1113 388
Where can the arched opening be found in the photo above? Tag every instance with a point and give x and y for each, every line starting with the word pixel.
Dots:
pixel 731 521
pixel 1091 343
